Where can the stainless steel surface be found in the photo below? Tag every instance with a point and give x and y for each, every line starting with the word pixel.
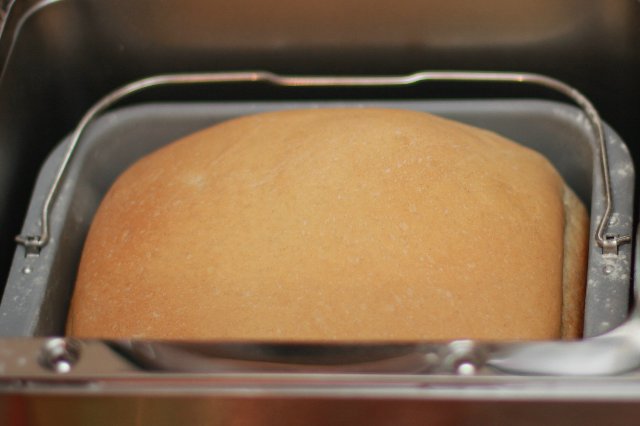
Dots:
pixel 114 365
pixel 615 354
pixel 608 242
pixel 253 408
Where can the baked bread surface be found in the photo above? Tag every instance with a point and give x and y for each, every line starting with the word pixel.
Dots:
pixel 333 224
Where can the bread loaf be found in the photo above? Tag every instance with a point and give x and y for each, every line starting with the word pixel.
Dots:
pixel 335 225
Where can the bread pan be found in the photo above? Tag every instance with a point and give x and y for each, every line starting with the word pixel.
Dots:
pixel 39 288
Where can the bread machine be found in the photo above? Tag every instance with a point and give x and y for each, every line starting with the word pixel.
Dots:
pixel 455 382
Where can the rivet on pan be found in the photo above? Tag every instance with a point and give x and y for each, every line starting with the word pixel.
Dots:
pixel 466 368
pixel 59 355
pixel 613 220
pixel 607 269
pixel 26 270
pixel 463 357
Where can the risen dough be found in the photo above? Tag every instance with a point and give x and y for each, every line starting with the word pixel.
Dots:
pixel 334 224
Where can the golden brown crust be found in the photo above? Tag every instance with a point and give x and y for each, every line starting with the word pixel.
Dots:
pixel 576 247
pixel 339 224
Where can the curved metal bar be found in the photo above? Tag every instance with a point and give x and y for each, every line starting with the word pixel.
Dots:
pixel 609 243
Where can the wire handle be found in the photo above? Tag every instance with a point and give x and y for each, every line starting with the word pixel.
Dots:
pixel 608 242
